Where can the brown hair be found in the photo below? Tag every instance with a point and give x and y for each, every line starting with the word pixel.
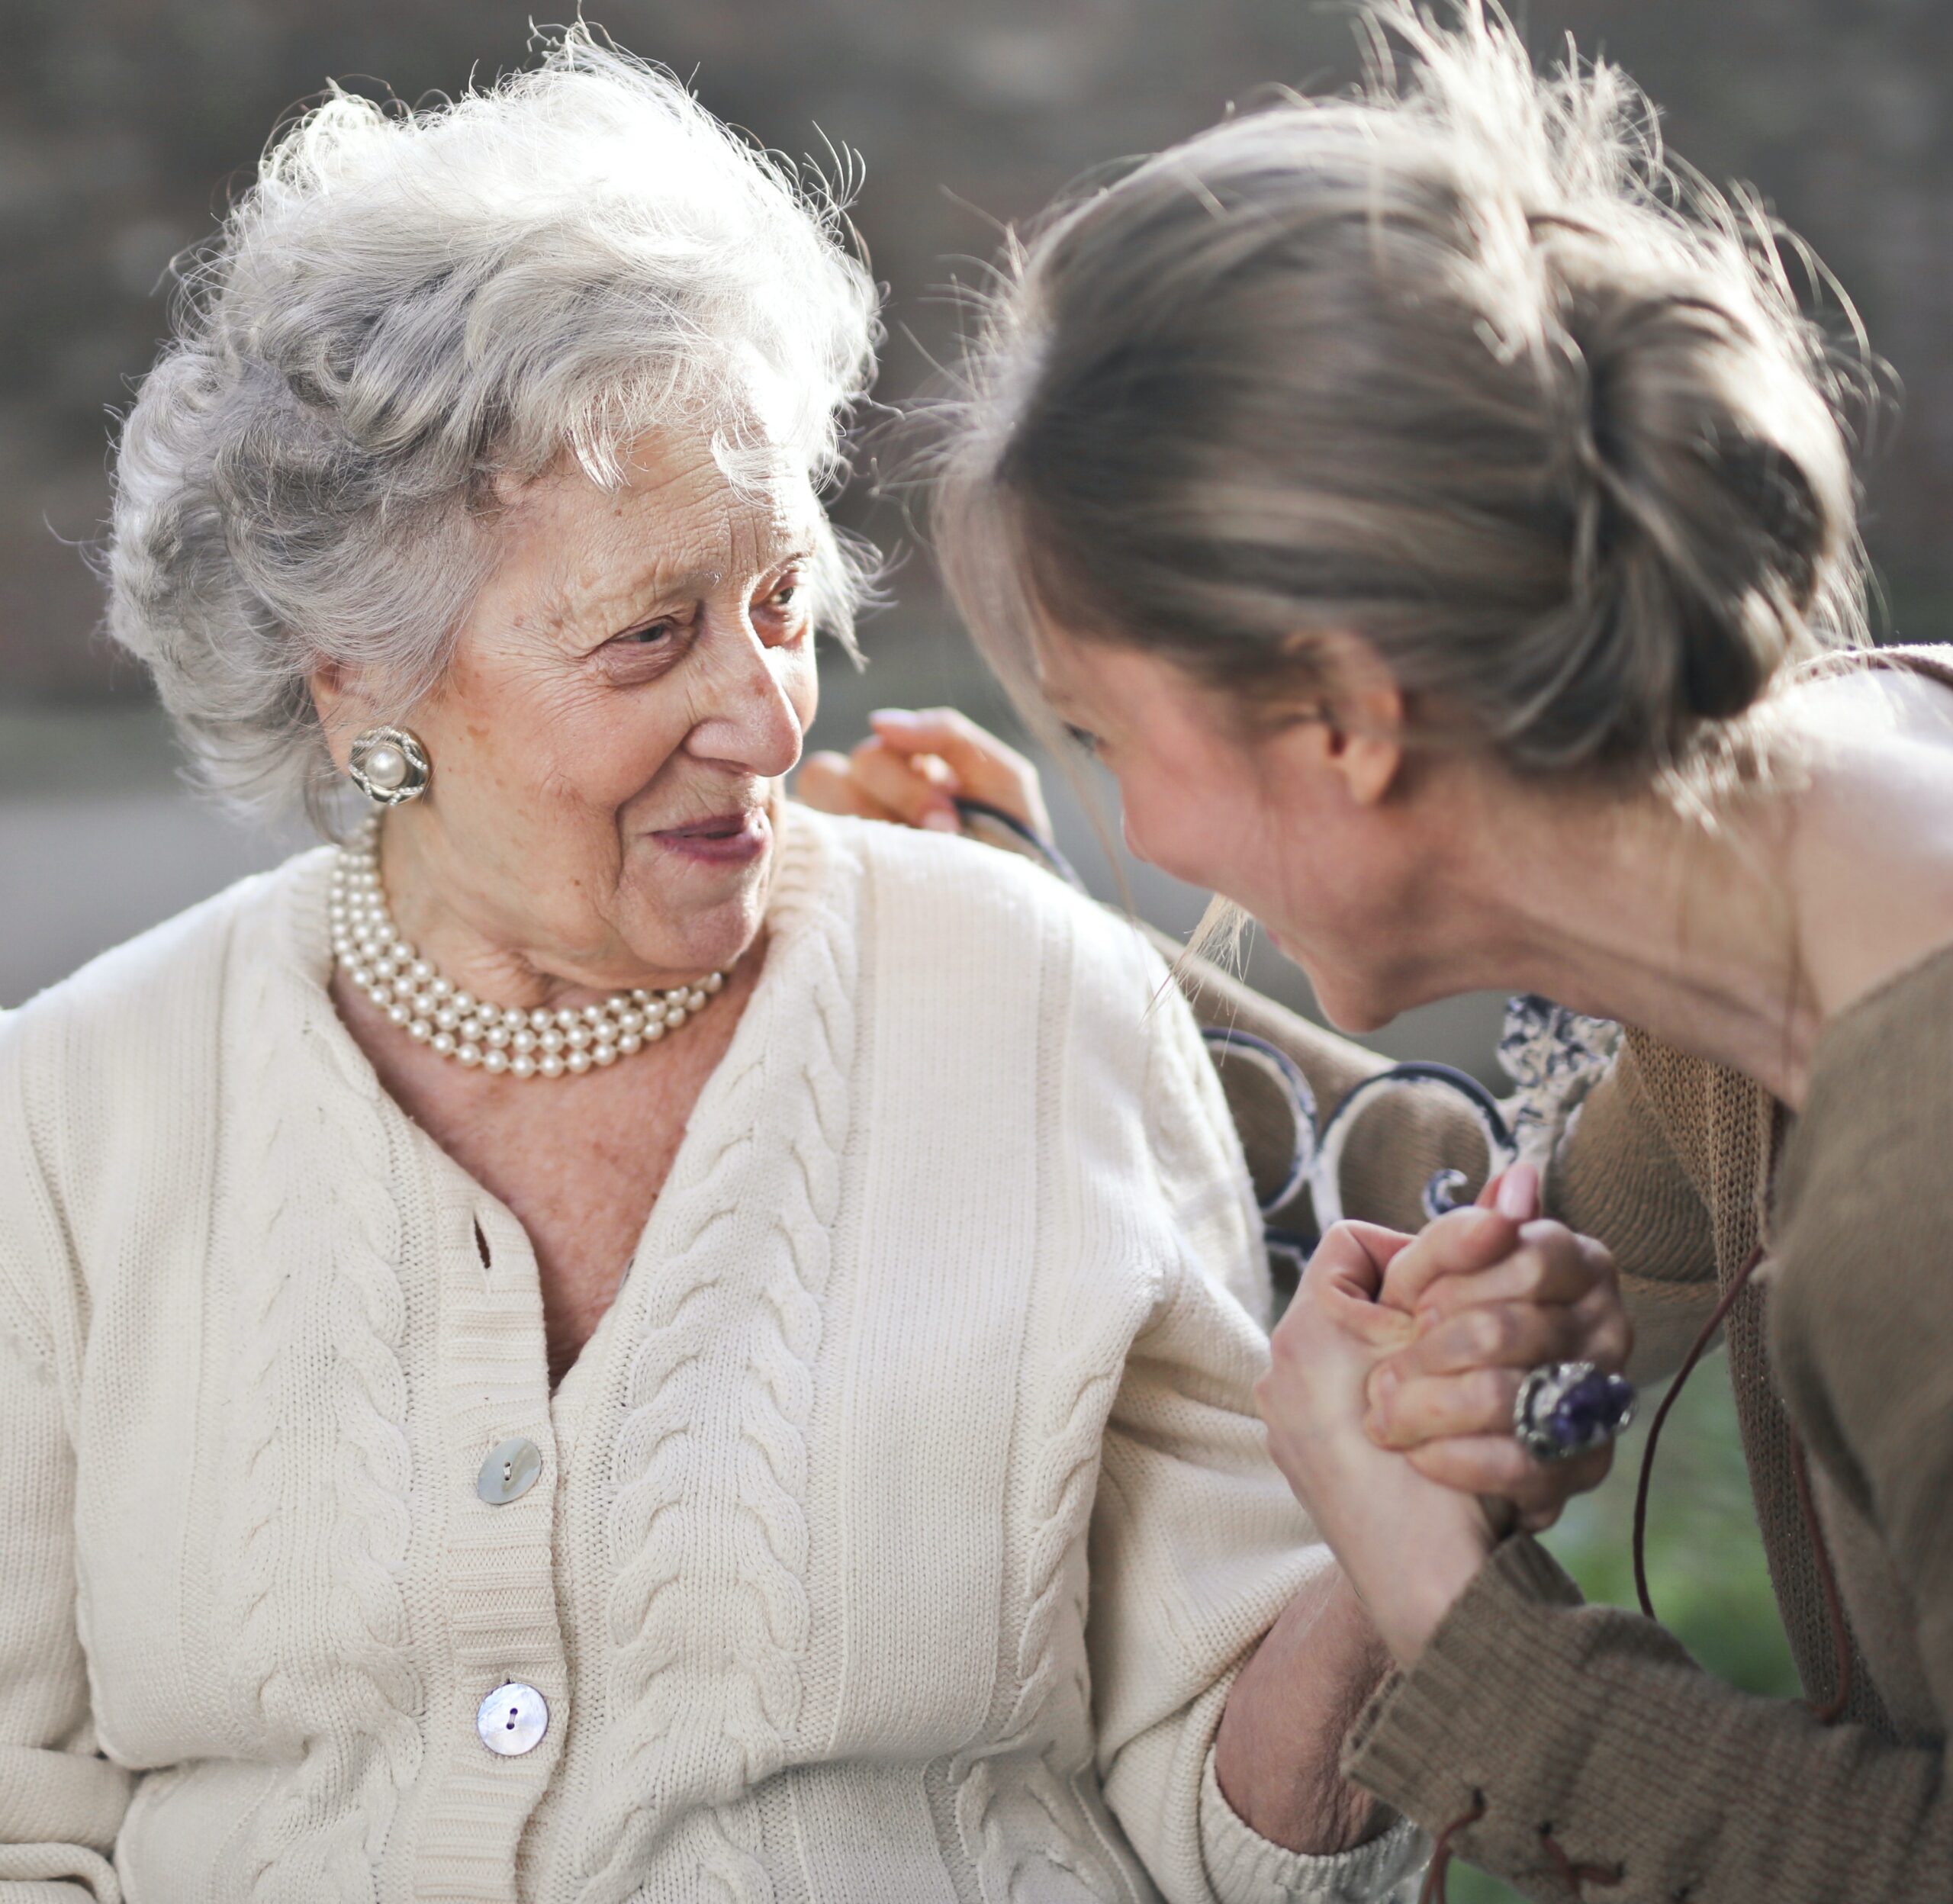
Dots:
pixel 1456 364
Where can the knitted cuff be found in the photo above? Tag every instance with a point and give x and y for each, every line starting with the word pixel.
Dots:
pixel 1437 1742
pixel 1244 1867
pixel 1403 1748
pixel 56 1874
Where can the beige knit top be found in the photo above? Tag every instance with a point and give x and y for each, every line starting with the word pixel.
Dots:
pixel 896 1537
pixel 1594 1725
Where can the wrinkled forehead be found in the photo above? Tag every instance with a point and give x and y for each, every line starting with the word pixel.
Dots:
pixel 690 514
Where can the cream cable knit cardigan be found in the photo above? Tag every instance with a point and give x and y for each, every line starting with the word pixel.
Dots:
pixel 900 1530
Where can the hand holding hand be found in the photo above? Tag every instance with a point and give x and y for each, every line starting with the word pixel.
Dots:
pixel 1494 1293
pixel 1409 1544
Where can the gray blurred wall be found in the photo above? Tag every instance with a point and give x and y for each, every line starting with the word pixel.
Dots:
pixel 124 124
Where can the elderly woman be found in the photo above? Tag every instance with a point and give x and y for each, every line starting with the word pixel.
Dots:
pixel 607 1339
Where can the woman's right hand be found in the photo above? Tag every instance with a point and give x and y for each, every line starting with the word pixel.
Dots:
pixel 916 765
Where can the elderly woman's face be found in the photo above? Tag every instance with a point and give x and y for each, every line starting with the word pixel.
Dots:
pixel 608 741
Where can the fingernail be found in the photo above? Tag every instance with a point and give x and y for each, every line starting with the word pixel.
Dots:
pixel 892 717
pixel 1383 1385
pixel 938 821
pixel 1518 1195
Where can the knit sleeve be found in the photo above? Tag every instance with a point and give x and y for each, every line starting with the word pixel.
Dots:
pixel 1592 1731
pixel 1197 1546
pixel 1616 1175
pixel 61 1803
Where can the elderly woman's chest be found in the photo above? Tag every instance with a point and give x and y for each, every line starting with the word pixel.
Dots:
pixel 829 1470
pixel 793 1493
pixel 257 1484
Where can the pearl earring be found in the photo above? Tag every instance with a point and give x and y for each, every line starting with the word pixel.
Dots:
pixel 389 766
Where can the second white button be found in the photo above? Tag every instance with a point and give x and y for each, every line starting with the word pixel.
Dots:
pixel 512 1718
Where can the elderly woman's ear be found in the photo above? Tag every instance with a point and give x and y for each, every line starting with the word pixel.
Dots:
pixel 342 709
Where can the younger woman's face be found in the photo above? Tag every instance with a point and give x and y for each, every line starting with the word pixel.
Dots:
pixel 1268 817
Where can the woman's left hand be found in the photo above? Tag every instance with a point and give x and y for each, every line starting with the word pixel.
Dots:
pixel 1410 1545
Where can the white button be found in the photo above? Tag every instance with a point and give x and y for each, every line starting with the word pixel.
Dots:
pixel 512 1719
pixel 509 1472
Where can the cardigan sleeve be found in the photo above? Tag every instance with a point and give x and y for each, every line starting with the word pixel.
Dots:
pixel 1616 1175
pixel 1197 1546
pixel 61 1803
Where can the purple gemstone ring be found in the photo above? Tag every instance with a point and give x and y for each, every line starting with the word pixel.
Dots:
pixel 1564 1408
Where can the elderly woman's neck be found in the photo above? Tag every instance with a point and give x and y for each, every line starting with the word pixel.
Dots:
pixel 483 930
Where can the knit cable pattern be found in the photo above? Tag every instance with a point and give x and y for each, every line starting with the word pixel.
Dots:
pixel 707 1617
pixel 320 1290
pixel 1014 1858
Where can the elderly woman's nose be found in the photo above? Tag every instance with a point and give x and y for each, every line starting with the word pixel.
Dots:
pixel 750 717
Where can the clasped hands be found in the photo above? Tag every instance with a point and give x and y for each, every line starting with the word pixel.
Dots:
pixel 1389 1395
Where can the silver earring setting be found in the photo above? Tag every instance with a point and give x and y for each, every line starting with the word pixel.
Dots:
pixel 389 766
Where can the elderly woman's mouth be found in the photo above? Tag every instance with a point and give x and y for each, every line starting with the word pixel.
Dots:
pixel 726 839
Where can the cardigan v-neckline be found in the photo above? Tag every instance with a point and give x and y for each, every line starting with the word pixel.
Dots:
pixel 797 878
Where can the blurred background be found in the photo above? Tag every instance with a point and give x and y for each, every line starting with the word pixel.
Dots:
pixel 125 125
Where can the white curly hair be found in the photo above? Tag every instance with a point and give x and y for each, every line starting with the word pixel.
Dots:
pixel 409 307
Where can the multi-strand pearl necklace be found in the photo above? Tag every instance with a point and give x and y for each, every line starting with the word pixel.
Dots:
pixel 506 1041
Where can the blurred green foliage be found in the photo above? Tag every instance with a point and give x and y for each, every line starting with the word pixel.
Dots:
pixel 1706 1570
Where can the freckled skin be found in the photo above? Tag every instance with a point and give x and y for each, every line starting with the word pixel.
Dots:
pixel 636 663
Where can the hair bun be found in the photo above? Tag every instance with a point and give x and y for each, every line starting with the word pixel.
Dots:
pixel 1455 364
pixel 1710 496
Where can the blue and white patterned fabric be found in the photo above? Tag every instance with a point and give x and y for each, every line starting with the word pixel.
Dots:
pixel 1554 1057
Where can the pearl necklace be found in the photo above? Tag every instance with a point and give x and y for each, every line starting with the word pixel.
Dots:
pixel 507 1041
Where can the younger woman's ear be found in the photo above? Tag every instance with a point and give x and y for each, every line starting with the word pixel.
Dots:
pixel 1363 716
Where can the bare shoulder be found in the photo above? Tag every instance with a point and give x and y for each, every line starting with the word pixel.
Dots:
pixel 1873 854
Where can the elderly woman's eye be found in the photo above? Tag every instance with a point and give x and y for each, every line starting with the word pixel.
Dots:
pixel 788 592
pixel 647 636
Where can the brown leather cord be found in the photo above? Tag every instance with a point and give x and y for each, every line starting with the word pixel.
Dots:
pixel 1834 1605
pixel 1687 1368
pixel 1576 1877
pixel 1433 1892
